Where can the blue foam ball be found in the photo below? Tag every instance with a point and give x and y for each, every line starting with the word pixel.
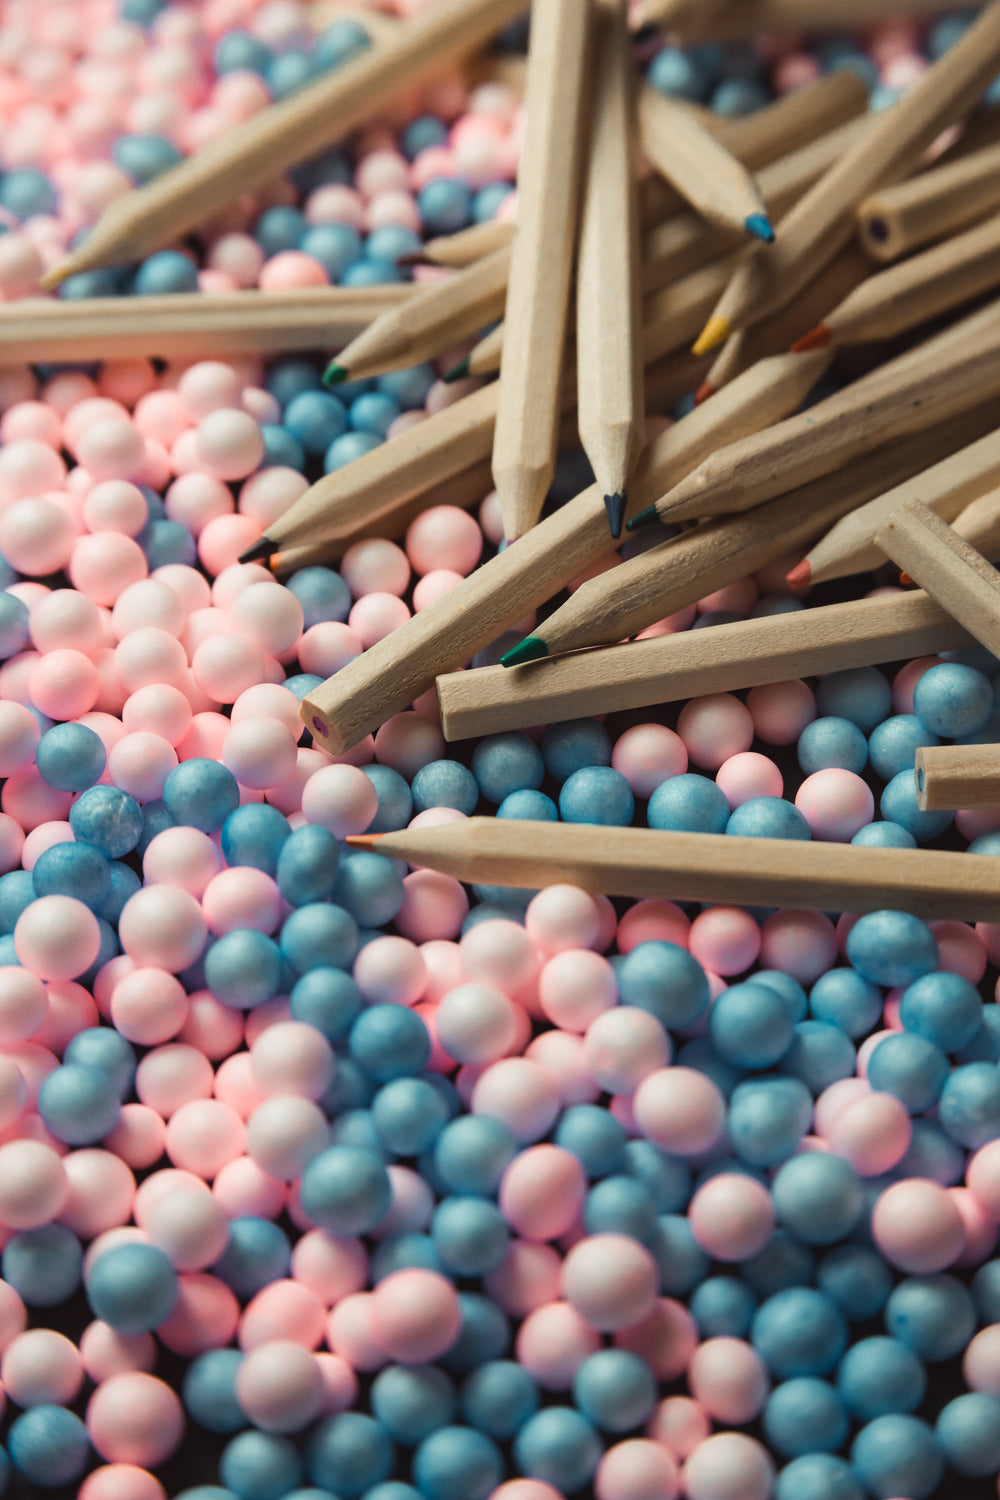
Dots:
pixel 348 1454
pixel 43 1265
pixel 818 1197
pixel 799 1331
pixel 933 1315
pixel 131 1287
pixel 346 1190
pixel 891 948
pixel 805 1415
pixel 208 1391
pixel 108 818
pixel 201 793
pixel 898 1455
pixel 597 794
pixel 412 1401
pixel 49 1446
pixel 558 1445
pixel 498 1398
pixel 688 804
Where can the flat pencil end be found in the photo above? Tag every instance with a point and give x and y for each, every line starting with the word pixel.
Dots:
pixel 759 225
pixel 817 338
pixel 615 507
pixel 799 577
pixel 703 392
pixel 714 333
pixel 457 372
pixel 362 840
pixel 532 648
pixel 644 518
pixel 262 548
pixel 334 374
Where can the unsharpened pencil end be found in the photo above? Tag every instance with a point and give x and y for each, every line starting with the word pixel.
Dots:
pixel 644 518
pixel 262 548
pixel 457 372
pixel 714 333
pixel 703 392
pixel 615 507
pixel 799 576
pixel 532 648
pixel 759 225
pixel 334 374
pixel 816 338
pixel 362 840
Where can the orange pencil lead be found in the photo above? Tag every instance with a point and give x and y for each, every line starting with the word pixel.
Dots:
pixel 362 840
pixel 799 576
pixel 817 338
pixel 703 392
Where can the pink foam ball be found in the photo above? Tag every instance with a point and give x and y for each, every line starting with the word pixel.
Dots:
pixel 375 616
pixel 30 801
pixel 434 586
pixel 283 1310
pixel 243 1189
pixel 280 1386
pixel 242 897
pixel 872 1133
pixel 781 710
pixel 12 843
pixel 41 1366
pixel 835 803
pixel 33 1185
pixel 19 736
pixel 564 1058
pixel 408 741
pixel 680 1424
pixel 158 709
pixel 31 419
pixel 23 1004
pixel 224 666
pixel 647 755
pixel 610 1299
pixel 29 467
pixel 980 1230
pixel 115 505
pixel 64 684
pixel 331 1266
pixel 292 1058
pixel 714 728
pixel 267 494
pixel 65 618
pixel 57 937
pixel 731 1217
pixel 729 1466
pixel 111 449
pixel 260 752
pixel 203 1135
pixel 575 987
pixel 499 953
pixel 800 943
pixel 349 1333
pixel 680 1110
pixel 105 1352
pixel 170 1076
pixel 229 444
pixel 415 1315
pixel 135 1418
pixel 140 764
pixel 444 537
pixel 725 939
pixel 328 646
pixel 162 927
pixel 542 1192
pixel 552 1343
pixel 284 1133
pixel 917 1227
pixel 121 1482
pixel 961 949
pixel 561 916
pixel 161 415
pixel 982 1176
pixel 234 1084
pixel 981 1361
pixel 289 269
pixel 623 1046
pixel 269 615
pixel 748 775
pixel 138 1137
pixel 194 499
pixel 127 380
pixel 729 1378
pixel 181 857
pixel 665 1337
pixel 390 970
pixel 205 736
pixel 101 1191
pixel 103 565
pixel 148 602
pixel 434 906
pixel 636 1470
pixel 204 1317
pixel 477 1023
pixel 519 1092
pixel 340 798
pixel 526 1278
pixel 208 386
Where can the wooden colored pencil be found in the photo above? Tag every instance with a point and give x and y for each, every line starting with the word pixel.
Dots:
pixel 259 150
pixel 954 776
pixel 190 324
pixel 702 169
pixel 535 317
pixel 727 658
pixel 913 292
pixel 432 319
pixel 849 546
pixel 484 358
pixel 712 867
pixel 475 612
pixel 652 586
pixel 686 240
pixel 945 375
pixel 610 397
pixel 947 567
pixel 377 23
pixel 979 523
pixel 746 18
pixel 931 205
pixel 456 251
pixel 824 217
pixel 778 332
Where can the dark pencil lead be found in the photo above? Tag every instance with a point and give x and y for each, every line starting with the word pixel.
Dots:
pixel 644 518
pixel 334 374
pixel 258 550
pixel 759 225
pixel 615 507
pixel 532 648
pixel 457 372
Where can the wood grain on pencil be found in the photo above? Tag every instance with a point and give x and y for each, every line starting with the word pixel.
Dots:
pixel 931 205
pixel 739 19
pixel 704 171
pixel 645 862
pixel 954 776
pixel 947 567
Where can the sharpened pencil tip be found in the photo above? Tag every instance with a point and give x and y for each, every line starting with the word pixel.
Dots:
pixel 906 580
pixel 334 374
pixel 799 576
pixel 759 225
pixel 414 258
pixel 615 507
pixel 703 392
pixel 262 548
pixel 54 276
pixel 362 840
pixel 817 338
pixel 457 372
pixel 714 333
pixel 644 518
pixel 532 648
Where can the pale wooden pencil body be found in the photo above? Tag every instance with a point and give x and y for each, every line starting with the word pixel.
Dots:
pixel 953 776
pixel 260 149
pixel 979 524
pixel 664 669
pixel 823 219
pixel 645 862
pixel 849 546
pixel 524 446
pixel 445 634
pixel 701 168
pixel 460 250
pixel 677 573
pixel 745 18
pixel 610 399
pixel 931 205
pixel 944 376
pixel 922 287
pixel 189 323
pixel 485 357
pixel 947 567
pixel 432 319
